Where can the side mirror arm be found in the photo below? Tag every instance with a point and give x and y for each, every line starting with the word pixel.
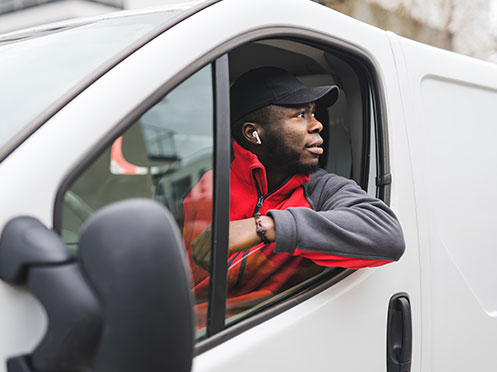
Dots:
pixel 32 255
pixel 125 305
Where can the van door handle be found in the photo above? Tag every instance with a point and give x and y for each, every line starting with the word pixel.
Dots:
pixel 399 334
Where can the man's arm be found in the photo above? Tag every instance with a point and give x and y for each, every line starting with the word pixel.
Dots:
pixel 242 236
pixel 345 228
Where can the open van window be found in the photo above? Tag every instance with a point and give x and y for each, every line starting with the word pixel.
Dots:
pixel 346 124
pixel 348 133
pixel 169 152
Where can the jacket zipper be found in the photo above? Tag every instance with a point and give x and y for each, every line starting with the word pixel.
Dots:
pixel 260 199
pixel 258 206
pixel 243 261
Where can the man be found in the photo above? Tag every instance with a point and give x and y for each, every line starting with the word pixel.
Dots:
pixel 286 214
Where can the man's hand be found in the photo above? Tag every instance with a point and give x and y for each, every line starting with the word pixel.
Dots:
pixel 242 236
pixel 201 248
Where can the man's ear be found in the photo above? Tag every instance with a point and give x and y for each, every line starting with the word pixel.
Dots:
pixel 248 129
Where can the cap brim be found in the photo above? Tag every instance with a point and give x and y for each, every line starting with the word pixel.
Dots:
pixel 324 95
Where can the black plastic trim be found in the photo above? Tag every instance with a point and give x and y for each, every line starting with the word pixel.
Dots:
pixel 55 107
pixel 24 243
pixel 384 179
pixel 399 334
pixel 382 157
pixel 34 256
pixel 322 41
pixel 132 255
pixel 221 198
pixel 366 135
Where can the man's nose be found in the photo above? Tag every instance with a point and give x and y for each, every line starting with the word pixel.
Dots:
pixel 315 126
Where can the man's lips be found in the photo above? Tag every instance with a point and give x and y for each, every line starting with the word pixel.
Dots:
pixel 315 148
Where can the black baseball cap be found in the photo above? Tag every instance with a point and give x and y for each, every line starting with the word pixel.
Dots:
pixel 265 86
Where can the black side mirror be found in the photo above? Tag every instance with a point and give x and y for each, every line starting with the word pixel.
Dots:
pixel 124 306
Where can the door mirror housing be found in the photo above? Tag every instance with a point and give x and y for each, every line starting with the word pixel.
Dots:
pixel 124 305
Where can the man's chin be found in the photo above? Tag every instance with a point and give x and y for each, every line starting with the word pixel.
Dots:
pixel 306 168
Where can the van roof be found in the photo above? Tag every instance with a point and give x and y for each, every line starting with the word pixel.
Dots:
pixel 48 28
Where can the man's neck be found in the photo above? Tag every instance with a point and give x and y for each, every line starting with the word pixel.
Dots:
pixel 276 177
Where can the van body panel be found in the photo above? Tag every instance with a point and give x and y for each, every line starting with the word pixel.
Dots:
pixel 449 103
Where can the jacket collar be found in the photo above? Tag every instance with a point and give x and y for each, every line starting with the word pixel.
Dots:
pixel 247 167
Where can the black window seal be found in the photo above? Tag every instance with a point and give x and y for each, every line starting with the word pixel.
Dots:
pixel 384 177
pixel 216 311
pixel 366 136
pixel 316 39
pixel 57 105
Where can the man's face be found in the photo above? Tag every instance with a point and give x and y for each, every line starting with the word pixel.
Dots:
pixel 292 140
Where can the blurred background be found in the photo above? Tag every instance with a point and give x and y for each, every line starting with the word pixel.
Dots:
pixel 465 26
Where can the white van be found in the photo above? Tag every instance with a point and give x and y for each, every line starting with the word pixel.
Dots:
pixel 136 105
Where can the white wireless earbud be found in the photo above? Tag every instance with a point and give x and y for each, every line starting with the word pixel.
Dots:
pixel 256 135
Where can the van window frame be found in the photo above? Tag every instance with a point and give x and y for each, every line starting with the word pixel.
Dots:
pixel 216 306
pixel 373 91
pixel 218 57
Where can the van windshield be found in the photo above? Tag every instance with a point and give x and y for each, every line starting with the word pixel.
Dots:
pixel 38 68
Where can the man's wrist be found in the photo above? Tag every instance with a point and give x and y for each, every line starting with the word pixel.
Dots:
pixel 260 229
pixel 265 228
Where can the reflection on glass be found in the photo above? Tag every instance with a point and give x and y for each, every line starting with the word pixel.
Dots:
pixel 38 68
pixel 166 155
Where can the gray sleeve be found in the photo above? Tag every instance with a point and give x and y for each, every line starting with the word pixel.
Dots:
pixel 344 221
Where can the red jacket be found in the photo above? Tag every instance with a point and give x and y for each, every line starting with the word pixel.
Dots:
pixel 260 272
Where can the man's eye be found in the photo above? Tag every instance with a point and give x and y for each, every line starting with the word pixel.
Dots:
pixel 301 114
pixel 313 114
